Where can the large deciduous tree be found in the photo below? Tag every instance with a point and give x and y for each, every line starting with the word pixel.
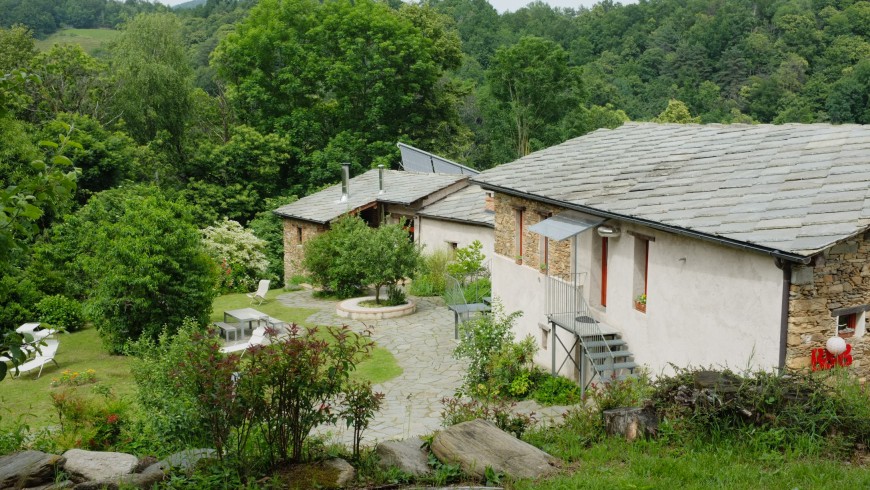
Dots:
pixel 343 79
pixel 533 88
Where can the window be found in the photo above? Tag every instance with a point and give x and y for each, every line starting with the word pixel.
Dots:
pixel 518 233
pixel 299 235
pixel 846 325
pixel 452 245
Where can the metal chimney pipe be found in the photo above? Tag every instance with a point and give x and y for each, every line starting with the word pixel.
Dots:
pixel 345 181
pixel 380 179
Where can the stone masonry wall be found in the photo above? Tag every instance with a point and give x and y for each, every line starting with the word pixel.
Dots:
pixel 534 212
pixel 293 250
pixel 838 279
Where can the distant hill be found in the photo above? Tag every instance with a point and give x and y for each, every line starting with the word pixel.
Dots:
pixel 89 39
pixel 189 5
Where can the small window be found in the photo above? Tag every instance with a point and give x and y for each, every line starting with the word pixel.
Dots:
pixel 453 245
pixel 518 233
pixel 846 325
pixel 299 235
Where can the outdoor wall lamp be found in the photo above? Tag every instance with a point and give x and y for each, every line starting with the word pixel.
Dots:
pixel 608 231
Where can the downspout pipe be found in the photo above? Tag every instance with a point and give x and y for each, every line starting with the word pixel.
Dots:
pixel 783 322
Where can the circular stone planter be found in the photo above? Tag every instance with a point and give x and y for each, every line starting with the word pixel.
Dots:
pixel 350 308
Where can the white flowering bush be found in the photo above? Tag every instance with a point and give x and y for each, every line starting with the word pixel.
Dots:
pixel 240 255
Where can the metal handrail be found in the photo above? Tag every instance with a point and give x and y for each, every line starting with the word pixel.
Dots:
pixel 568 309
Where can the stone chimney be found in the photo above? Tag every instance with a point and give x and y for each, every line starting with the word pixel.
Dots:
pixel 490 203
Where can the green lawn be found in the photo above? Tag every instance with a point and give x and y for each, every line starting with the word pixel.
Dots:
pixel 614 463
pixel 89 39
pixel 83 350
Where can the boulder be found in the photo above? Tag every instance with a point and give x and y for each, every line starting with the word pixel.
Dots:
pixel 408 456
pixel 145 480
pixel 28 469
pixel 186 460
pixel 479 444
pixel 82 466
pixel 54 486
pixel 144 463
pixel 344 471
pixel 631 423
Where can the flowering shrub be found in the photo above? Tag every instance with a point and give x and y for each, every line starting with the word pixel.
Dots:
pixel 74 378
pixel 241 255
pixel 95 423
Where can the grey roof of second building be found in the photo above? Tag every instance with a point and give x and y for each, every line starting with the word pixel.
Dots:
pixel 793 188
pixel 467 205
pixel 399 188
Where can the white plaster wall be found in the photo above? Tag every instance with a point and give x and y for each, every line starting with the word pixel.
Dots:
pixel 434 235
pixel 707 304
pixel 519 287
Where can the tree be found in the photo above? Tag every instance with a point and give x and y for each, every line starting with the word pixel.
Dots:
pixel 71 81
pixel 153 78
pixel 139 263
pixel 335 259
pixel 390 257
pixel 16 48
pixel 239 253
pixel 676 112
pixel 534 88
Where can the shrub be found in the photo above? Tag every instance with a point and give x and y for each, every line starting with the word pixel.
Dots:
pixel 240 255
pixel 61 312
pixel 351 256
pixel 467 261
pixel 90 422
pixel 395 296
pixel 500 412
pixel 495 362
pixel 430 278
pixel 557 390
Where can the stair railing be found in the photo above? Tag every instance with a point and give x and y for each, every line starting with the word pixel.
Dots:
pixel 568 309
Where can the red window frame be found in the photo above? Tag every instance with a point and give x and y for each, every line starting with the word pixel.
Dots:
pixel 603 271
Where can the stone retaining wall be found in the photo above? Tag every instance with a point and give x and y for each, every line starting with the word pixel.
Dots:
pixel 293 247
pixel 839 278
pixel 534 212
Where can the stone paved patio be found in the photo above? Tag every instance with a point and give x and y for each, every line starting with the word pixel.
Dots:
pixel 422 344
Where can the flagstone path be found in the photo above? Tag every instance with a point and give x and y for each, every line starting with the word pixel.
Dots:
pixel 422 344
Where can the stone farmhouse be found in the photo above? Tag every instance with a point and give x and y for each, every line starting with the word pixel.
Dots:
pixel 434 201
pixel 706 245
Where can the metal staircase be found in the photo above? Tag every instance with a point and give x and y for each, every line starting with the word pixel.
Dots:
pixel 596 350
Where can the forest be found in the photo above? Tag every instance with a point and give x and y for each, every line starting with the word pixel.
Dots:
pixel 234 107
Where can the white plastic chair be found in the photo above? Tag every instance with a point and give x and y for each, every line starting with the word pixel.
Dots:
pixel 260 294
pixel 258 337
pixel 41 359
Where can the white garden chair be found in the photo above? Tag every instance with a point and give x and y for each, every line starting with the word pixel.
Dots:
pixel 260 294
pixel 40 360
pixel 258 337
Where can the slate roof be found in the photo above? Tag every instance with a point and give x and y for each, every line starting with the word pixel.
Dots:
pixel 399 188
pixel 793 188
pixel 465 206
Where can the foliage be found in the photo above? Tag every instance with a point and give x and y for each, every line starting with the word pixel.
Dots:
pixel 335 259
pixel 240 254
pixel 16 48
pixel 61 312
pixel 269 227
pixel 467 261
pixel 676 112
pixel 556 390
pixel 487 345
pixel 351 255
pixel 136 260
pixel 395 296
pixel 430 278
pixel 90 422
pixel 345 80
pixel 500 412
pixel 477 289
pixel 361 403
pixel 74 378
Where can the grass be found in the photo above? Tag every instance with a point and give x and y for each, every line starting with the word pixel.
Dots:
pixel 615 464
pixel 27 398
pixel 89 39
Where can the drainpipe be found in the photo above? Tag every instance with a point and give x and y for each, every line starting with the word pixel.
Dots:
pixel 380 179
pixel 783 322
pixel 345 181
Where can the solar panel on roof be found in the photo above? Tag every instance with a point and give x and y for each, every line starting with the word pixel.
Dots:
pixel 417 160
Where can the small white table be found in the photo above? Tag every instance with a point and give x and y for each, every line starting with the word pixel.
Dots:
pixel 245 315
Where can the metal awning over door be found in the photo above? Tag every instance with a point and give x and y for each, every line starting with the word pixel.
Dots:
pixel 566 225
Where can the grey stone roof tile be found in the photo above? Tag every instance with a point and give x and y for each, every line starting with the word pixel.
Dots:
pixel 793 188
pixel 399 188
pixel 466 205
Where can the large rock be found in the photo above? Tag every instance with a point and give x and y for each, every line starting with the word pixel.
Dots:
pixel 186 460
pixel 82 466
pixel 145 480
pixel 479 444
pixel 344 471
pixel 408 456
pixel 631 423
pixel 28 469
